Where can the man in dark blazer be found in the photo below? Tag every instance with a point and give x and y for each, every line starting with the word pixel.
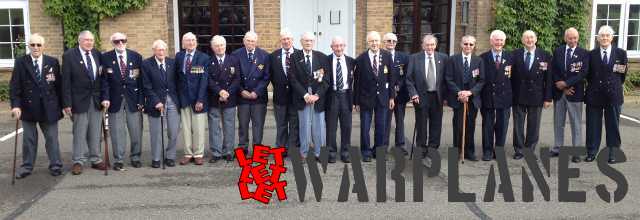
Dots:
pixel 339 100
pixel 607 71
pixel 160 79
pixel 36 99
pixel 310 80
pixel 373 93
pixel 283 111
pixel 254 78
pixel 569 67
pixel 496 95
pixel 532 85
pixel 122 93
pixel 465 79
pixel 192 91
pixel 224 85
pixel 400 61
pixel 426 87
pixel 81 72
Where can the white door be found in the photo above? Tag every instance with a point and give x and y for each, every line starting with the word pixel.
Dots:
pixel 324 18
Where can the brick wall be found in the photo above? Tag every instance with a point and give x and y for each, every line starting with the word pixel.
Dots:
pixel 49 27
pixel 267 23
pixel 372 15
pixel 481 18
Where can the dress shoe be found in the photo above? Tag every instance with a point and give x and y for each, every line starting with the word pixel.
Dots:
pixel 136 164
pixel 332 160
pixel 199 161
pixel 215 159
pixel 155 164
pixel 76 169
pixel 186 160
pixel 611 161
pixel 553 154
pixel 55 172
pixel 228 158
pixel 487 157
pixel 366 159
pixel 471 158
pixel 100 166
pixel 22 174
pixel 118 166
pixel 346 160
pixel 169 162
pixel 518 156
pixel 590 158
pixel 575 159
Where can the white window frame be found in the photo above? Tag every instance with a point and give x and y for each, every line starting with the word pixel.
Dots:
pixel 622 29
pixel 24 4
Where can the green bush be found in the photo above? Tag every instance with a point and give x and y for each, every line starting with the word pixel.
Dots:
pixel 631 83
pixel 4 91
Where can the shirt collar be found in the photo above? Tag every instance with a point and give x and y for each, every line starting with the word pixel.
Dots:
pixel 371 53
pixel 33 59
pixel 290 50
pixel 223 56
pixel 158 61
pixel 427 55
pixel 608 49
pixel 533 51
pixel 118 54
pixel 573 49
pixel 494 53
pixel 82 51
pixel 192 53
pixel 466 56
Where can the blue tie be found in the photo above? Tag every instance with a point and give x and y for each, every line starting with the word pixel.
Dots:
pixel 527 60
pixel 567 59
pixel 36 67
pixel 605 59
pixel 89 65
pixel 467 73
pixel 250 57
pixel 339 83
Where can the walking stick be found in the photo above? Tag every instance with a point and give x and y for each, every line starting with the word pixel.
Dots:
pixel 413 140
pixel 105 135
pixel 162 114
pixel 15 153
pixel 464 130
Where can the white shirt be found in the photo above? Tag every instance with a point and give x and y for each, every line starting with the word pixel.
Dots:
pixel 345 72
pixel 466 57
pixel 220 59
pixel 607 50
pixel 39 59
pixel 426 65
pixel 284 58
pixel 533 56
pixel 377 54
pixel 158 62
pixel 124 58
pixel 494 54
pixel 84 58
pixel 393 55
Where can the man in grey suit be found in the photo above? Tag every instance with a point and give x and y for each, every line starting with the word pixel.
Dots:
pixel 425 78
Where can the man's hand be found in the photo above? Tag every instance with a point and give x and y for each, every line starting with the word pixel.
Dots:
pixel 106 103
pixel 445 103
pixel 356 108
pixel 16 112
pixel 254 95
pixel 67 111
pixel 245 94
pixel 199 106
pixel 561 85
pixel 569 91
pixel 415 99
pixel 391 104
pixel 307 98
pixel 223 94
pixel 547 104
pixel 314 98
pixel 159 106
pixel 140 107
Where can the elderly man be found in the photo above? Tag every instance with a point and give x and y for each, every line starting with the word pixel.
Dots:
pixel 607 70
pixel 159 77
pixel 373 93
pixel 81 100
pixel 309 82
pixel 569 66
pixel 122 94
pixel 224 84
pixel 496 95
pixel 285 114
pixel 400 63
pixel 36 99
pixel 465 79
pixel 254 78
pixel 339 100
pixel 531 80
pixel 192 92
pixel 426 86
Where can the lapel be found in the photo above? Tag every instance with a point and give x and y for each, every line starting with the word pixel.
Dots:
pixel 611 57
pixel 278 62
pixel 330 70
pixel 421 65
pixel 29 63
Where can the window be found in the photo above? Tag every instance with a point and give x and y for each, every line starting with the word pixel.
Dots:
pixel 14 28
pixel 624 17
pixel 412 19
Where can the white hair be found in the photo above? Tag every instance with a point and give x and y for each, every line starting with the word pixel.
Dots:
pixel 570 30
pixel 468 37
pixel 84 34
pixel 498 34
pixel 159 44
pixel 307 35
pixel 36 37
pixel 529 33
pixel 430 37
pixel 218 39
pixel 188 35
pixel 251 34
pixel 605 29
pixel 116 34
pixel 390 36
pixel 373 34
pixel 285 33
pixel 337 39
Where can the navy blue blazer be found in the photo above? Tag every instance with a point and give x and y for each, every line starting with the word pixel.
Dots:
pixel 604 84
pixel 225 75
pixel 531 87
pixel 39 100
pixel 401 63
pixel 254 76
pixel 157 85
pixel 282 93
pixel 115 87
pixel 192 84
pixel 351 64
pixel 317 79
pixel 78 87
pixel 574 76
pixel 367 88
pixel 455 82
pixel 497 90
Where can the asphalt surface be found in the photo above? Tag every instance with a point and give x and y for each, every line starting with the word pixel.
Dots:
pixel 210 191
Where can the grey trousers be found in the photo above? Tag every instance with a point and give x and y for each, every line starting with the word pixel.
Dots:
pixel 255 114
pixel 117 122
pixel 561 108
pixel 30 144
pixel 87 130
pixel 172 124
pixel 532 115
pixel 221 141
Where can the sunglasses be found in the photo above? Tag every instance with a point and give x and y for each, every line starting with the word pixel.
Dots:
pixel 35 45
pixel 468 44
pixel 124 41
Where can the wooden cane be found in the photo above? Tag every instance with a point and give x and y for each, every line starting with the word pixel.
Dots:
pixel 464 130
pixel 105 135
pixel 162 114
pixel 15 152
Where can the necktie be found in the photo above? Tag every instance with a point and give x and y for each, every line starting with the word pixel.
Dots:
pixel 497 61
pixel 163 72
pixel 527 60
pixel 36 67
pixel 220 63
pixel 431 75
pixel 89 65
pixel 287 63
pixel 605 59
pixel 187 66
pixel 251 58
pixel 567 59
pixel 307 64
pixel 375 64
pixel 467 74
pixel 123 68
pixel 339 83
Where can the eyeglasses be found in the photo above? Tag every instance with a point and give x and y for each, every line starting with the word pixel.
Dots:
pixel 468 44
pixel 35 45
pixel 390 41
pixel 124 41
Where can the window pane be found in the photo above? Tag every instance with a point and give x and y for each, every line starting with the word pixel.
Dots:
pixel 4 16
pixel 634 12
pixel 615 25
pixel 633 27
pixel 5 51
pixel 632 43
pixel 601 12
pixel 16 16
pixel 599 24
pixel 17 33
pixel 5 36
pixel 614 11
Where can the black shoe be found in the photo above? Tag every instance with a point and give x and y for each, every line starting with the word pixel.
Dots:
pixel 553 154
pixel 590 158
pixel 136 164
pixel 366 159
pixel 169 162
pixel 21 175
pixel 575 159
pixel 228 158
pixel 118 167
pixel 215 159
pixel 155 164
pixel 345 160
pixel 518 156
pixel 611 161
pixel 487 157
pixel 55 172
pixel 332 160
pixel 471 158
pixel 317 159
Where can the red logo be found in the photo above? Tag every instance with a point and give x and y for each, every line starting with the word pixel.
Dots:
pixel 266 176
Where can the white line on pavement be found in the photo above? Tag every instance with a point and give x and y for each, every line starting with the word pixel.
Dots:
pixel 10 135
pixel 630 118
